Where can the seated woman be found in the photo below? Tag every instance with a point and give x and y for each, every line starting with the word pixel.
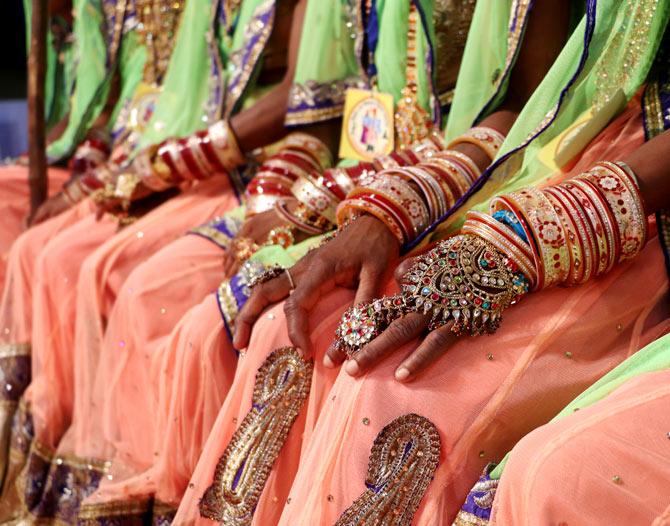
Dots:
pixel 481 394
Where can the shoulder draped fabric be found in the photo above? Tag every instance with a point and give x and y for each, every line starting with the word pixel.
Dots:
pixel 612 36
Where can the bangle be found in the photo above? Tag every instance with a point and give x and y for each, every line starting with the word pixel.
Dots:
pixel 399 198
pixel 312 146
pixel 487 139
pixel 504 239
pixel 572 235
pixel 619 187
pixel 313 194
pixel 352 208
pixel 301 218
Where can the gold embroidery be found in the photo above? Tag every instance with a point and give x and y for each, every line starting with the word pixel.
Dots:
pixel 629 41
pixel 402 463
pixel 213 234
pixel 653 110
pixel 282 386
pixel 451 19
pixel 243 61
pixel 465 518
pixel 131 513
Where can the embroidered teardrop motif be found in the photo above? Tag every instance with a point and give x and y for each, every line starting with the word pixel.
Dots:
pixel 282 386
pixel 402 463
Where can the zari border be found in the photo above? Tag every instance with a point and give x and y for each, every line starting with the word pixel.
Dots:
pixel 312 101
pixel 282 386
pixel 402 464
pixel 244 60
pixel 130 512
pixel 220 231
pixel 476 510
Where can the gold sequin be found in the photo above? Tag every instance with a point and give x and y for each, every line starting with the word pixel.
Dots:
pixel 397 475
pixel 282 386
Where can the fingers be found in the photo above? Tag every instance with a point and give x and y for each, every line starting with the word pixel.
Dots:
pixel 368 283
pixel 310 286
pixel 262 295
pixel 402 269
pixel 431 348
pixel 400 332
pixel 333 357
pixel 230 265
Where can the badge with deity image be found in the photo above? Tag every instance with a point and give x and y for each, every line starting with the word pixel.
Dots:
pixel 367 130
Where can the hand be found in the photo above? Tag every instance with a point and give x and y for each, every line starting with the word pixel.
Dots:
pixel 50 208
pixel 255 229
pixel 357 258
pixel 461 286
pixel 399 333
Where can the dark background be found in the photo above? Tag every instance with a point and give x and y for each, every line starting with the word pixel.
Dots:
pixel 12 50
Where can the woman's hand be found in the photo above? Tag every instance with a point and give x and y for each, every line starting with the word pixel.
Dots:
pixel 399 333
pixel 50 208
pixel 357 258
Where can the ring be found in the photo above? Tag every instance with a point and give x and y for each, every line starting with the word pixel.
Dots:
pixel 290 279
pixel 268 274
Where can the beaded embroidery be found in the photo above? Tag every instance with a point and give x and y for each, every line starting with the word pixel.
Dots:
pixel 282 386
pixel 402 463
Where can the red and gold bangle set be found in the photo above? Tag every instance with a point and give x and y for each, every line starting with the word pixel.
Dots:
pixel 577 230
pixel 300 156
pixel 315 196
pixel 199 156
pixel 91 153
pixel 408 198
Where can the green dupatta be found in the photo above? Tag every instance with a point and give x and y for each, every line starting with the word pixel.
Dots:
pixel 95 66
pixel 330 57
pixel 59 76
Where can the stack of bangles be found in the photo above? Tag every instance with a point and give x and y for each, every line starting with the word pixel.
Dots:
pixel 408 199
pixel 93 152
pixel 316 196
pixel 533 239
pixel 299 156
pixel 199 156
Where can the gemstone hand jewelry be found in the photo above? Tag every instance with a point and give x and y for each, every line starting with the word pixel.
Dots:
pixel 464 279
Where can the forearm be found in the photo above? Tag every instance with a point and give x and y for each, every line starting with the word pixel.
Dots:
pixel 651 164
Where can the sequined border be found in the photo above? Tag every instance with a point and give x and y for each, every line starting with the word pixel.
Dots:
pixel 313 101
pixel 219 231
pixel 15 371
pixel 233 294
pixel 402 464
pixel 476 511
pixel 244 61
pixel 126 513
pixel 282 386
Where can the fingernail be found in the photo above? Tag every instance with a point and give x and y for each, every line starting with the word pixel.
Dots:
pixel 352 367
pixel 402 373
pixel 327 362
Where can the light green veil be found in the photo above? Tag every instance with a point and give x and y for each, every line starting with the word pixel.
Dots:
pixel 93 76
pixel 330 61
pixel 59 79
pixel 614 37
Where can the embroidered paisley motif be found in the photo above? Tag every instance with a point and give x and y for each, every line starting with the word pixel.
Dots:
pixel 402 463
pixel 282 386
